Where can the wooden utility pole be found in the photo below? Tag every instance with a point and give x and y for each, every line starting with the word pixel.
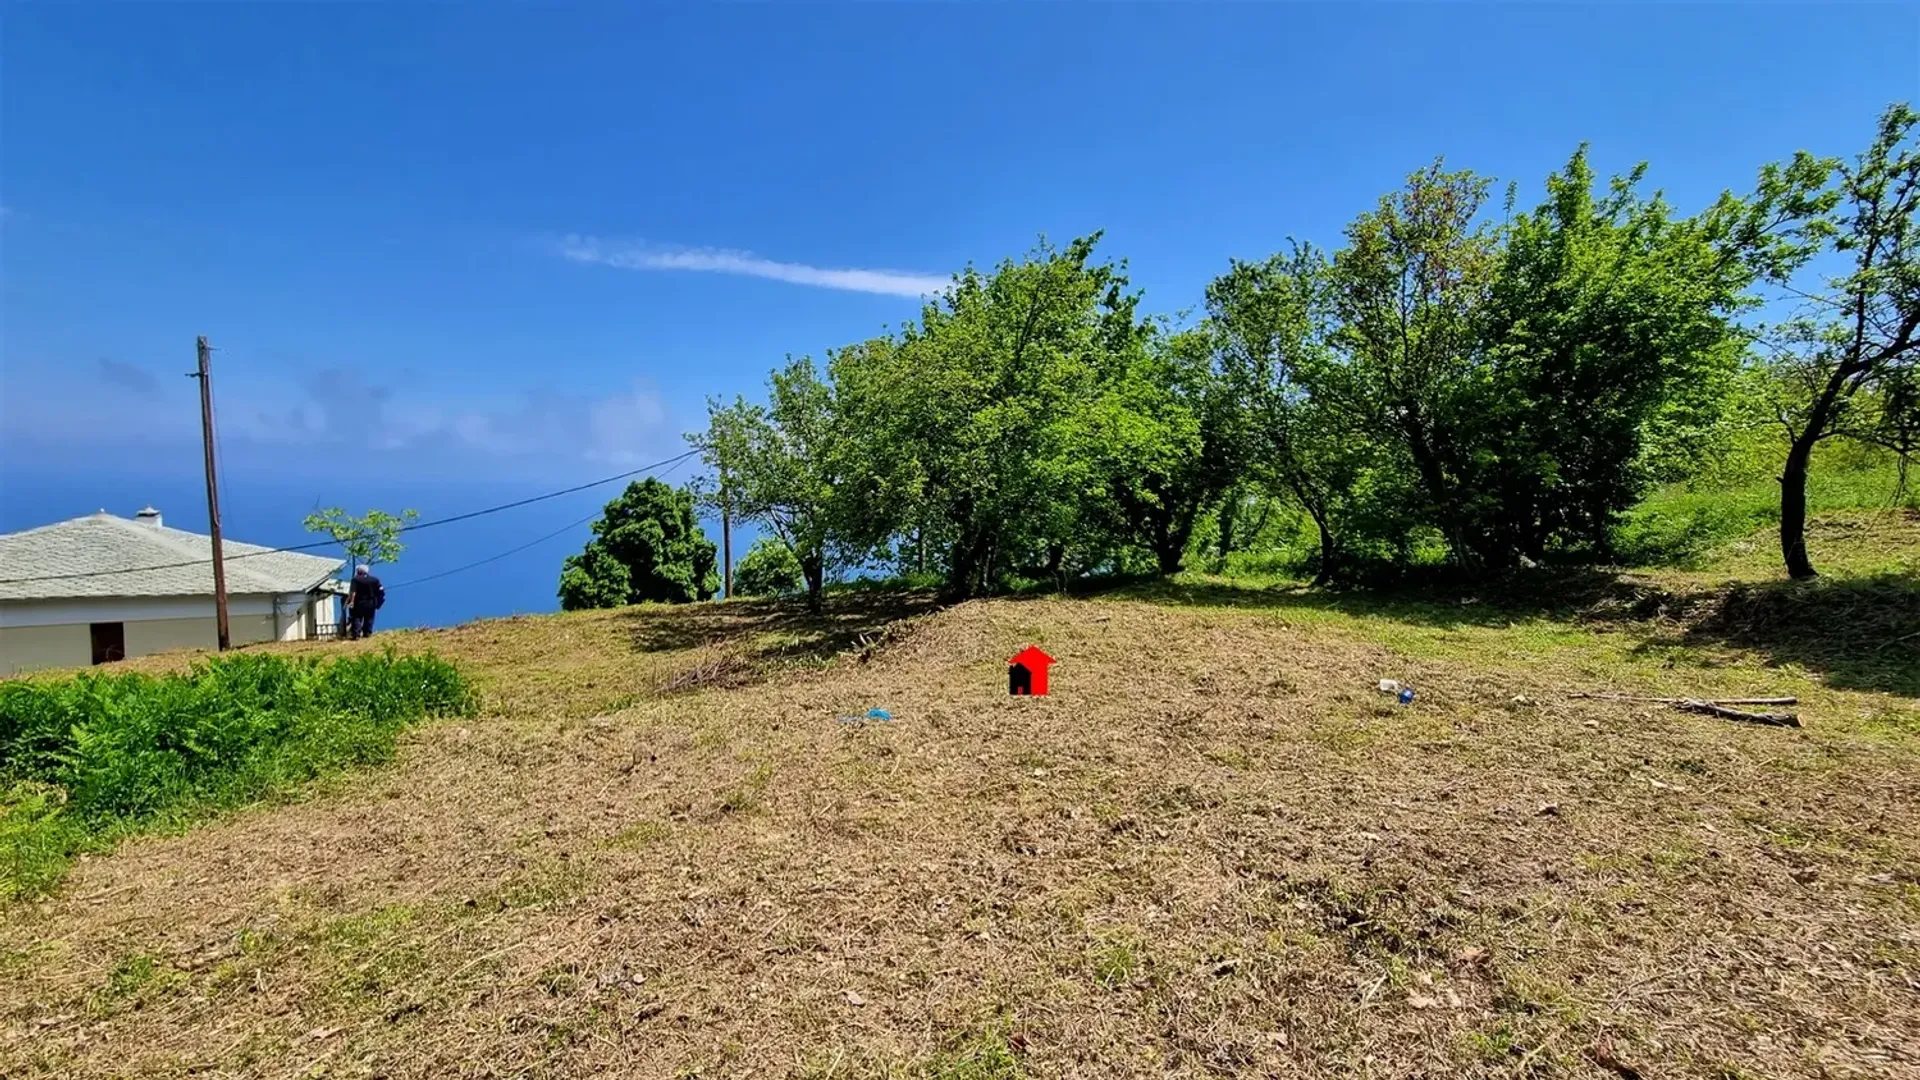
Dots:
pixel 726 536
pixel 213 497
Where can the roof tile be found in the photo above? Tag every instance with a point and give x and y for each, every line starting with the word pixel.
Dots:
pixel 149 554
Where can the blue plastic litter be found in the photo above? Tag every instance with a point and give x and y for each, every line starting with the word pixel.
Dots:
pixel 1406 696
pixel 879 714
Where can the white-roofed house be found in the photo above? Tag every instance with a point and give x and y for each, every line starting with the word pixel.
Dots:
pixel 101 588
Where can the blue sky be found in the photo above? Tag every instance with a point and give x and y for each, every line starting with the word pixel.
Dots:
pixel 452 255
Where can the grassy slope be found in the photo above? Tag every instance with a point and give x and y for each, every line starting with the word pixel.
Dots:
pixel 1213 850
pixel 1697 525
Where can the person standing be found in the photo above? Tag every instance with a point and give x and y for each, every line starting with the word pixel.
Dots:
pixel 364 597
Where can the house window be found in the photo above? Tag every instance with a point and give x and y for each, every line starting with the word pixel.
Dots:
pixel 109 641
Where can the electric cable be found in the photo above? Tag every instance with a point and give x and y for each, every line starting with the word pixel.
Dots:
pixel 517 550
pixel 416 527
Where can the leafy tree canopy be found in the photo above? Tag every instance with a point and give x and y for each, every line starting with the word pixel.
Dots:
pixel 768 569
pixel 373 537
pixel 647 545
pixel 1458 378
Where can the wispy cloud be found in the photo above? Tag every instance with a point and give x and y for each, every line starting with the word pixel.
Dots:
pixel 305 422
pixel 128 377
pixel 587 249
pixel 343 406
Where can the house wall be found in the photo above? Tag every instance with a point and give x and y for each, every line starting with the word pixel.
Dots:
pixel 289 621
pixel 325 612
pixel 159 635
pixel 55 633
pixel 24 648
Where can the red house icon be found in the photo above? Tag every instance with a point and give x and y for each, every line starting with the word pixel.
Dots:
pixel 1027 672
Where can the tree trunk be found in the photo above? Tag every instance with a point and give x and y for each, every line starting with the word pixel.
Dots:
pixel 1172 531
pixel 1229 509
pixel 969 566
pixel 1329 551
pixel 1793 477
pixel 1318 511
pixel 816 576
pixel 1056 558
pixel 1170 548
pixel 1170 555
pixel 959 571
pixel 1433 475
pixel 960 561
pixel 1793 507
pixel 726 546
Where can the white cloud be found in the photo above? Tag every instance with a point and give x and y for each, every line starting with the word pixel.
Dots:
pixel 720 261
pixel 318 412
pixel 297 426
pixel 625 429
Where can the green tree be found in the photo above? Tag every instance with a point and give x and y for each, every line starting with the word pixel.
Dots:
pixel 1852 351
pixel 882 472
pixel 1609 347
pixel 789 463
pixel 979 411
pixel 1169 437
pixel 373 537
pixel 1528 378
pixel 647 545
pixel 718 493
pixel 1272 325
pixel 1240 522
pixel 1897 427
pixel 768 569
pixel 1406 292
pixel 594 579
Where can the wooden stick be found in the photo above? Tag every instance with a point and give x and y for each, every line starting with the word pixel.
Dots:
pixel 1679 701
pixel 1712 708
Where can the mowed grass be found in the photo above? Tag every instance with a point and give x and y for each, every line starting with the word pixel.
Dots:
pixel 1213 850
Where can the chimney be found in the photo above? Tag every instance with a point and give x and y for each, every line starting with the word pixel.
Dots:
pixel 148 516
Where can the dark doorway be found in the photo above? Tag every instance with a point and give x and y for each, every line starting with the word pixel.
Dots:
pixel 109 641
pixel 1019 679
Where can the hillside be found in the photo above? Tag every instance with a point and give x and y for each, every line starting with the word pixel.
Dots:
pixel 1214 849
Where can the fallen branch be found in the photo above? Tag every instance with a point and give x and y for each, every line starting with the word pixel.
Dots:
pixel 1715 707
pixel 1679 701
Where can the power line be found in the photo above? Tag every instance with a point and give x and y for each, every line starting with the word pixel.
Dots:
pixel 496 558
pixel 675 460
pixel 416 527
pixel 517 550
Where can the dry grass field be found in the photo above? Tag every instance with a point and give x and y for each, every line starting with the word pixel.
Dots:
pixel 1214 850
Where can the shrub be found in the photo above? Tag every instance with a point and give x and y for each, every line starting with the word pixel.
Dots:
pixel 768 569
pixel 647 545
pixel 89 758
